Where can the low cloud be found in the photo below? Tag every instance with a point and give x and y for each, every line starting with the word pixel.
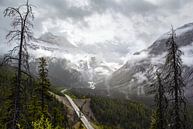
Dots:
pixel 133 58
pixel 187 54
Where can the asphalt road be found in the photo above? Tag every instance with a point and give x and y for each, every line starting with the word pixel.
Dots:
pixel 79 113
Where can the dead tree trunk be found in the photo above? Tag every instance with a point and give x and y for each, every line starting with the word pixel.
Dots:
pixel 21 24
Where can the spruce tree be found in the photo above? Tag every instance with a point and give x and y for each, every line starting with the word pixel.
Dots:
pixel 175 85
pixel 44 82
pixel 160 114
pixel 154 121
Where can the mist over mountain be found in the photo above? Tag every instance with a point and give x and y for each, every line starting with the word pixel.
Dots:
pixel 137 74
pixel 76 65
pixel 109 66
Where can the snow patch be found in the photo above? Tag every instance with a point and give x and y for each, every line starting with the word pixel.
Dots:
pixel 159 59
pixel 140 77
pixel 102 71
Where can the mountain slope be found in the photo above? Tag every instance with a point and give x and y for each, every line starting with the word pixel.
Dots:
pixel 136 75
pixel 73 65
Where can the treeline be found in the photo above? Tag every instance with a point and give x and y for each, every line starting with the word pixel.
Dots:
pixel 113 113
pixel 120 114
pixel 32 105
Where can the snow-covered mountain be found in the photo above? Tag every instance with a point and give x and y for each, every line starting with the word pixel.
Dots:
pixel 71 64
pixel 100 65
pixel 135 76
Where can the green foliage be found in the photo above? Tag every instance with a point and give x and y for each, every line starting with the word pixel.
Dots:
pixel 154 120
pixel 19 126
pixel 72 95
pixel 43 82
pixel 100 126
pixel 158 120
pixel 31 106
pixel 43 123
pixel 6 96
pixel 120 113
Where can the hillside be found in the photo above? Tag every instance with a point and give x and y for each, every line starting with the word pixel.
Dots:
pixel 118 113
pixel 103 112
pixel 71 62
pixel 59 115
pixel 90 71
pixel 113 113
pixel 137 74
pixel 63 115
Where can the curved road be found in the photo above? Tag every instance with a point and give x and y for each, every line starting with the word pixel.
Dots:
pixel 79 113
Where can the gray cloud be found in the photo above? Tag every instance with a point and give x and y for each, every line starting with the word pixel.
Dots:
pixel 125 7
pixel 60 9
pixel 146 19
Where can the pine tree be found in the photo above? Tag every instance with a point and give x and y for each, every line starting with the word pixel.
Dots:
pixel 154 121
pixel 34 108
pixel 175 85
pixel 44 82
pixel 159 115
pixel 162 104
pixel 43 123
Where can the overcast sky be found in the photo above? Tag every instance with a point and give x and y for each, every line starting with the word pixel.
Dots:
pixel 134 22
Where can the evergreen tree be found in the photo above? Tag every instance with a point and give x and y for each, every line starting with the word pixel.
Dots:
pixel 175 85
pixel 159 116
pixel 43 123
pixel 44 82
pixel 34 109
pixel 154 121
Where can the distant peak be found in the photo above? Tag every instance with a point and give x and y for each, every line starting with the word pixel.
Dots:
pixel 186 25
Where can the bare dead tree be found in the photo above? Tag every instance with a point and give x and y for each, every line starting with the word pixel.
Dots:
pixel 22 17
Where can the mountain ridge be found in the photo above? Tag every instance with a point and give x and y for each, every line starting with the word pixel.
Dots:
pixel 135 77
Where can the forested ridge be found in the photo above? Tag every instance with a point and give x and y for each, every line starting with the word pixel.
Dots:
pixel 121 113
pixel 31 110
pixel 110 113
